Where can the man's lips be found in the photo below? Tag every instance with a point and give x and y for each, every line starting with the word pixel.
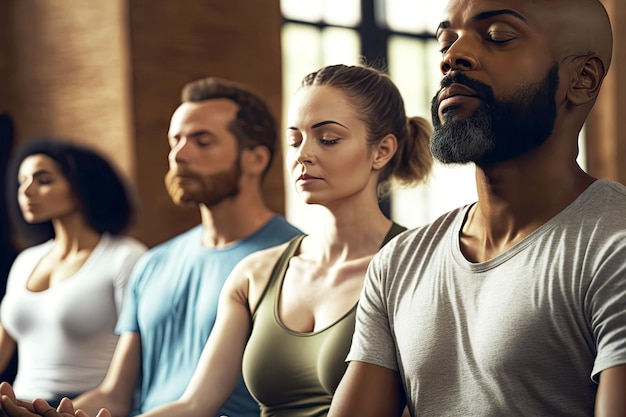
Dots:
pixel 452 94
pixel 183 175
pixel 183 179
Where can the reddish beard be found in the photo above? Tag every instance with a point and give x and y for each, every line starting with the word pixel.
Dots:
pixel 191 188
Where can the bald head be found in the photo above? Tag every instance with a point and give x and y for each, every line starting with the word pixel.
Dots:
pixel 577 27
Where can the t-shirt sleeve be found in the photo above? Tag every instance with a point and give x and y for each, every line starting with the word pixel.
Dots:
pixel 16 275
pixel 127 320
pixel 373 339
pixel 25 263
pixel 23 266
pixel 131 253
pixel 606 303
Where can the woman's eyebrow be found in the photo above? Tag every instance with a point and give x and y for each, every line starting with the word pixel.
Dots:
pixel 327 122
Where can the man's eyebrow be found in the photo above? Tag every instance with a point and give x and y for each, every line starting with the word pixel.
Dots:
pixel 492 13
pixel 193 134
pixel 201 132
pixel 486 15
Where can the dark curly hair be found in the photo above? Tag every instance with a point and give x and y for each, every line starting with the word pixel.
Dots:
pixel 105 199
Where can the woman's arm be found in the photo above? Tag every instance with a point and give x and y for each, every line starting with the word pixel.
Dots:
pixel 7 349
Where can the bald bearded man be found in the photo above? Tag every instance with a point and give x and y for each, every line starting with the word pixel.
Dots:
pixel 514 305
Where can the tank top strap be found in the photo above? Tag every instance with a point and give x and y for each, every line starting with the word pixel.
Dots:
pixel 278 273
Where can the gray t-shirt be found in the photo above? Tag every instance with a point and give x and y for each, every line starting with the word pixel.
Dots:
pixel 523 334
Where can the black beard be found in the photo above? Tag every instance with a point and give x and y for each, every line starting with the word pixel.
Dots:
pixel 499 130
pixel 212 189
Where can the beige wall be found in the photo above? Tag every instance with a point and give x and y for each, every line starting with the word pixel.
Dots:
pixel 109 73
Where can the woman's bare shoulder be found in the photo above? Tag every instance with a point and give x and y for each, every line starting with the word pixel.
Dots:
pixel 252 273
pixel 259 263
pixel 264 256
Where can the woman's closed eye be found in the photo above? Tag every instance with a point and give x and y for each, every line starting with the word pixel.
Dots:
pixel 328 141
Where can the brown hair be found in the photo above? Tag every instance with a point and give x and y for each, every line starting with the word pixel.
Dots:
pixel 380 105
pixel 254 124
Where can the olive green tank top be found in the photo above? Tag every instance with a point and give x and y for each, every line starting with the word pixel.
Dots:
pixel 290 373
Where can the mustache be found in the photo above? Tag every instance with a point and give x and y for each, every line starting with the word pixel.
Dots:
pixel 171 174
pixel 483 90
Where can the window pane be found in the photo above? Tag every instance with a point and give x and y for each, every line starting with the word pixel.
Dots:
pixel 341 46
pixel 341 13
pixel 413 65
pixel 413 16
pixel 306 48
pixel 305 10
pixel 302 52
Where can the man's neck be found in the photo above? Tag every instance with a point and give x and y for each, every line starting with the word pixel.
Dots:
pixel 511 205
pixel 231 221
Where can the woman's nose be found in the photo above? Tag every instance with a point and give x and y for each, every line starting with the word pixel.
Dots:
pixel 304 153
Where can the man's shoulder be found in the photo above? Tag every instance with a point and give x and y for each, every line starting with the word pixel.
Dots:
pixel 275 231
pixel 611 189
pixel 603 202
pixel 183 243
pixel 279 223
pixel 189 237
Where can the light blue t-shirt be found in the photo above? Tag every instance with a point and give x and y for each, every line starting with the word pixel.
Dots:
pixel 172 302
